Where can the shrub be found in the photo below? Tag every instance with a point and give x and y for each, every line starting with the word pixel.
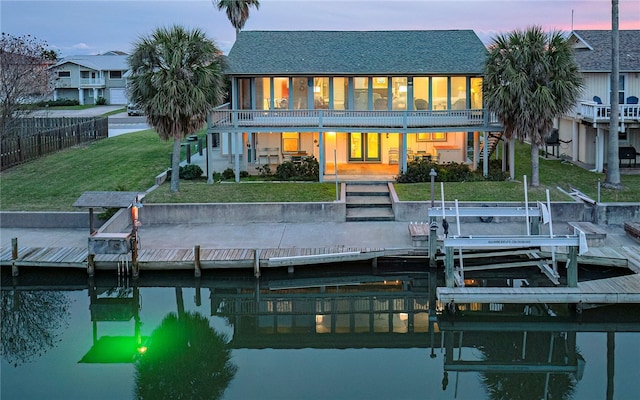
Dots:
pixel 228 173
pixel 419 171
pixel 101 101
pixel 58 103
pixel 265 171
pixel 308 169
pixel 190 171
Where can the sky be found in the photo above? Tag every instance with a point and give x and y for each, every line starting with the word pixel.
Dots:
pixel 81 27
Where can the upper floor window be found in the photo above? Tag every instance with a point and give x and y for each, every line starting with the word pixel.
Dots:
pixel 361 93
pixel 281 92
pixel 458 93
pixel 421 93
pixel 399 90
pixel 115 74
pixel 64 74
pixel 321 93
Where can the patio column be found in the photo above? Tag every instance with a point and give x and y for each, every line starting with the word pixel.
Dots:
pixel 209 157
pixel 321 158
pixel 575 144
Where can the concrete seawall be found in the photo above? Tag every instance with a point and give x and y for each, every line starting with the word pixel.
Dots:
pixel 226 213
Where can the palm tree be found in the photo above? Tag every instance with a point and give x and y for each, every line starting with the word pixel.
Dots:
pixel 176 78
pixel 612 178
pixel 237 11
pixel 530 78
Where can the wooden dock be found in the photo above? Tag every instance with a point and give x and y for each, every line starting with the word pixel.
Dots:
pixel 185 259
pixel 621 289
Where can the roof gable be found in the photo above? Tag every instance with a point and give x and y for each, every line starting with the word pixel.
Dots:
pixel 98 63
pixel 356 52
pixel 593 50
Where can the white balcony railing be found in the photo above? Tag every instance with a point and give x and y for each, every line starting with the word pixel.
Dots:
pixel 352 119
pixel 593 112
pixel 91 82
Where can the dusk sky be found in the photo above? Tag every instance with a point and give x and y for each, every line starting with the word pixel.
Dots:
pixel 94 26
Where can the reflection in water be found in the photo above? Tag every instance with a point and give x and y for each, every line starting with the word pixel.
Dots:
pixel 173 348
pixel 32 322
pixel 185 359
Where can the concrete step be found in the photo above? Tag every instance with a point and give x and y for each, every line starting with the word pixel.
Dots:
pixel 368 201
pixel 370 214
pixel 367 190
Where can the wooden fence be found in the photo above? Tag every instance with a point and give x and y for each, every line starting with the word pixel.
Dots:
pixel 39 136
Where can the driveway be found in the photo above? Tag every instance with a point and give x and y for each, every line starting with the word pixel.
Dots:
pixel 118 123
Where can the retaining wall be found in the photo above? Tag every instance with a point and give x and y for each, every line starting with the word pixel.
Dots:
pixel 47 219
pixel 224 213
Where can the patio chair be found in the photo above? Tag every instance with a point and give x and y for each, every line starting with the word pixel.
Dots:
pixel 421 104
pixel 632 100
pixel 597 99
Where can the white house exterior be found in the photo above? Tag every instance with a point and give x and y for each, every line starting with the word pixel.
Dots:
pixel 583 133
pixel 367 100
pixel 87 78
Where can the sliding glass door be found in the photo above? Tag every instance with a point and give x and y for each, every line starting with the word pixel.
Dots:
pixel 364 146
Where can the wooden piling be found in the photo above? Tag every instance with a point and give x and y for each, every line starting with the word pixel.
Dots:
pixel 14 256
pixel 196 261
pixel 448 267
pixel 135 267
pixel 91 265
pixel 433 245
pixel 256 263
pixel 572 268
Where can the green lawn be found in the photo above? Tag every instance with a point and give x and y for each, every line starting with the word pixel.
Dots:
pixel 130 162
pixel 553 174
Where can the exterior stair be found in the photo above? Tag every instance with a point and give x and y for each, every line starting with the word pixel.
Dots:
pixel 369 202
pixel 492 143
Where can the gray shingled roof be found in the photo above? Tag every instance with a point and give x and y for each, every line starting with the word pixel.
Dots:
pixel 356 53
pixel 598 58
pixel 98 63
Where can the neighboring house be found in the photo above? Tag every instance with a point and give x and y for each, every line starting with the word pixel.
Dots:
pixel 584 133
pixel 87 78
pixel 372 100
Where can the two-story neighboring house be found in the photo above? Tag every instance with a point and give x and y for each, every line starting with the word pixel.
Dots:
pixel 87 78
pixel 364 102
pixel 584 133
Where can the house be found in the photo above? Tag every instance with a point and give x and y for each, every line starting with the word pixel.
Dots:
pixel 583 132
pixel 364 102
pixel 87 78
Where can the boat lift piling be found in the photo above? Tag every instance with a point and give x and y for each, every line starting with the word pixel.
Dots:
pixel 454 276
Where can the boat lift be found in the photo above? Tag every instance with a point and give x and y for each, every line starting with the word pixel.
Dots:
pixel 576 244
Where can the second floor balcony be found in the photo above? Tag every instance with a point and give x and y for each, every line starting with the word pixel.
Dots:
pixel 223 119
pixel 92 82
pixel 601 113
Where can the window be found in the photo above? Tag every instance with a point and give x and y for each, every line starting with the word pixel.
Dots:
pixel 115 74
pixel 320 93
pixel 263 93
pixel 300 94
pixel 64 74
pixel 399 85
pixel 458 93
pixel 440 92
pixel 432 137
pixel 421 93
pixel 476 93
pixel 290 141
pixel 281 92
pixel 361 93
pixel 340 93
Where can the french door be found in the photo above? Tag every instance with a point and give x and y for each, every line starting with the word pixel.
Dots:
pixel 364 146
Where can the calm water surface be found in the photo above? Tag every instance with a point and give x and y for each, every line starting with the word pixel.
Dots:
pixel 355 337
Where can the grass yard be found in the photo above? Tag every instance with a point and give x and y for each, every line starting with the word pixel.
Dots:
pixel 130 162
pixel 554 174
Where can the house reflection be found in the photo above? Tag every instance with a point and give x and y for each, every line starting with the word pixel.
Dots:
pixel 360 311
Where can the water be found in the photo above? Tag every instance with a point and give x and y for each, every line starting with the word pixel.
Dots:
pixel 349 336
